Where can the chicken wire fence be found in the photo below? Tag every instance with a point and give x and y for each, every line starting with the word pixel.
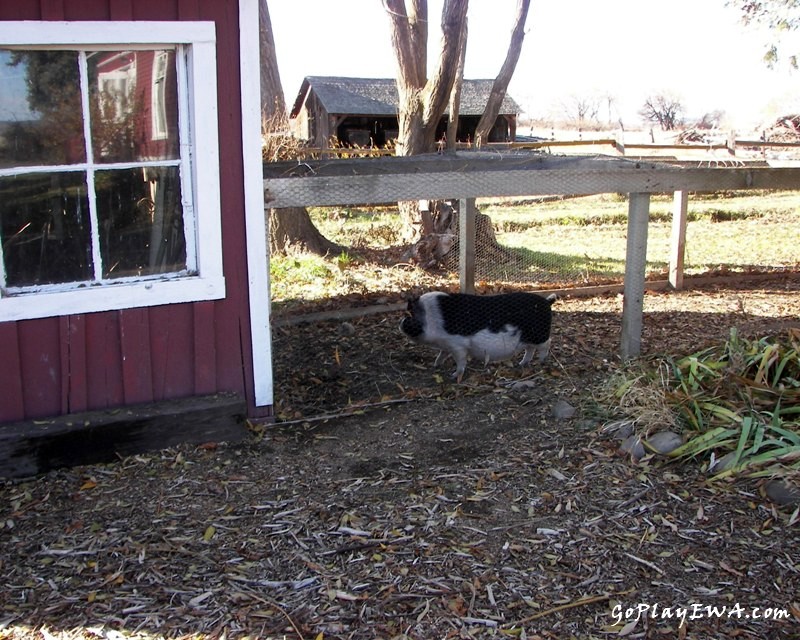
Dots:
pixel 555 242
pixel 569 230
pixel 583 241
pixel 520 244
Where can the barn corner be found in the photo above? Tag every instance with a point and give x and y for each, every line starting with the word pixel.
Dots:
pixel 134 312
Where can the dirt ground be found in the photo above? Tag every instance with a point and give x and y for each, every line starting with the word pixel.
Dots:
pixel 430 510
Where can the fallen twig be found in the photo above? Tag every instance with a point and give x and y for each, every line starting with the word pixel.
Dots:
pixel 563 607
pixel 350 411
pixel 646 563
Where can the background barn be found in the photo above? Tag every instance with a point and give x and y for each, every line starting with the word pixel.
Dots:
pixel 363 112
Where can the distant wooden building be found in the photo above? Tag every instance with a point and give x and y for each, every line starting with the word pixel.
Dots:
pixel 363 112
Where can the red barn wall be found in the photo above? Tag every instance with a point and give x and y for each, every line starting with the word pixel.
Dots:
pixel 53 366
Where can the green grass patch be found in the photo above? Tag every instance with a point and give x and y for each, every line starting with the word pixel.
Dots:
pixel 300 276
pixel 358 227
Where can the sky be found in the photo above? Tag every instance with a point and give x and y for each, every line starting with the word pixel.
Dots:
pixel 622 50
pixel 13 97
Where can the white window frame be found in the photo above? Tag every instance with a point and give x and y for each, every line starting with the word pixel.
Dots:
pixel 158 107
pixel 203 225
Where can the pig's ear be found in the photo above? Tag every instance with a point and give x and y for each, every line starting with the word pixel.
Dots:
pixel 413 304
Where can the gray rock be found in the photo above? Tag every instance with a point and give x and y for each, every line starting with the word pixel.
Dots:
pixel 782 493
pixel 621 429
pixel 346 329
pixel 633 446
pixel 563 410
pixel 724 463
pixel 524 385
pixel 664 442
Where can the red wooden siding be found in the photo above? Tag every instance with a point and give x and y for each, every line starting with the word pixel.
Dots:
pixel 205 370
pixel 40 359
pixel 103 361
pixel 73 357
pixel 94 361
pixel 10 368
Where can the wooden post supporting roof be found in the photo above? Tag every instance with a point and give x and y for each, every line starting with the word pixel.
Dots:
pixel 635 271
pixel 466 244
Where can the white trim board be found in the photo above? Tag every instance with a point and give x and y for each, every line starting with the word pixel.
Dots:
pixel 255 227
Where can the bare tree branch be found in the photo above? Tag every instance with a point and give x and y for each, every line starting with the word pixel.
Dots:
pixel 454 106
pixel 409 35
pixel 440 85
pixel 500 86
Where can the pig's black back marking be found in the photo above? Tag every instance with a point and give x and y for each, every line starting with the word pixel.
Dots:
pixel 464 314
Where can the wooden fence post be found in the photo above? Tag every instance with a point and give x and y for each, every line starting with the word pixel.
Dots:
pixel 635 271
pixel 466 244
pixel 680 207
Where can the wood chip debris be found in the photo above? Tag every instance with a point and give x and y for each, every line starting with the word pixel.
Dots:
pixel 465 511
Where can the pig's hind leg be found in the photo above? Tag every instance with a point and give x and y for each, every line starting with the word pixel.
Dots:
pixel 460 358
pixel 541 351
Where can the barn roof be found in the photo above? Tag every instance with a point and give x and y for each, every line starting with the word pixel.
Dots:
pixel 378 96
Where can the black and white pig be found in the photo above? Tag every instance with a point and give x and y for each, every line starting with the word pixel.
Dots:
pixel 487 328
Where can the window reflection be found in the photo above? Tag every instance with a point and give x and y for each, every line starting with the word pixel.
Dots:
pixel 141 221
pixel 40 108
pixel 45 228
pixel 133 97
pixel 49 229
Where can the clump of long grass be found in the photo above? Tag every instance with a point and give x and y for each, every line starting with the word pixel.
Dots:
pixel 737 404
pixel 277 142
pixel 638 396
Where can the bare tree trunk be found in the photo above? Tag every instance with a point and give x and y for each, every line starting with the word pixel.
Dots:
pixel 440 87
pixel 422 101
pixel 455 95
pixel 500 85
pixel 291 227
pixel 273 104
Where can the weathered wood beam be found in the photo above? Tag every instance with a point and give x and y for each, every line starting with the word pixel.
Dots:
pixel 32 447
pixel 677 250
pixel 470 175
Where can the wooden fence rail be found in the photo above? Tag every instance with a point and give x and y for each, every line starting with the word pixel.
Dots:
pixel 646 150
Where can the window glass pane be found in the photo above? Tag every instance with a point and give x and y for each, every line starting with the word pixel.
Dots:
pixel 134 105
pixel 141 221
pixel 40 108
pixel 45 228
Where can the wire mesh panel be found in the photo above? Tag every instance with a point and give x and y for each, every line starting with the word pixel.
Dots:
pixel 567 242
pixel 538 244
